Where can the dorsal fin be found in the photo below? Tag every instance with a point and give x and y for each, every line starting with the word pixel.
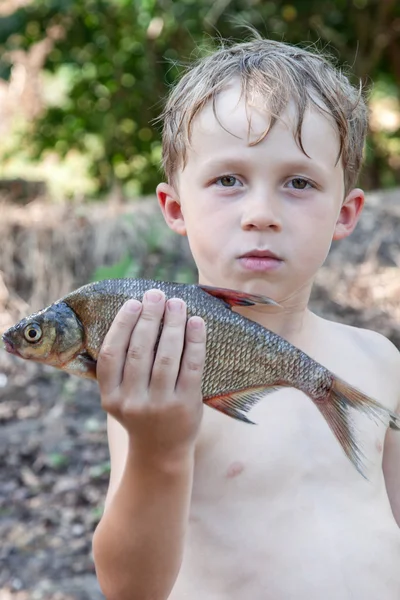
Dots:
pixel 236 298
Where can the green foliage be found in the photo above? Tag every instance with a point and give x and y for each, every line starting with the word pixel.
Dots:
pixel 126 267
pixel 57 461
pixel 98 471
pixel 118 53
pixel 163 268
pixel 122 55
pixel 157 258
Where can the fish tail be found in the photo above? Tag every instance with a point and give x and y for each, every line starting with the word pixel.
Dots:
pixel 334 408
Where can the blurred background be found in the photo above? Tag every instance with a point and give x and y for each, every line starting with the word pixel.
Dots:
pixel 82 83
pixel 83 80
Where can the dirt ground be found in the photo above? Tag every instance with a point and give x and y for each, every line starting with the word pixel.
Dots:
pixel 53 477
pixel 53 452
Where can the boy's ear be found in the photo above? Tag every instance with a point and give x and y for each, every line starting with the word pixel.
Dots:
pixel 349 214
pixel 170 206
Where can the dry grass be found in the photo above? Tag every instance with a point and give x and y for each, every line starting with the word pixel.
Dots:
pixel 49 249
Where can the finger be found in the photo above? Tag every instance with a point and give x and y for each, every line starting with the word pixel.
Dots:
pixel 169 352
pixel 193 359
pixel 140 354
pixel 111 359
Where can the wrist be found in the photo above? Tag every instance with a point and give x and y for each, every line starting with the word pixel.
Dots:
pixel 171 460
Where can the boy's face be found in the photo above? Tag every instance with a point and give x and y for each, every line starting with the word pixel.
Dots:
pixel 260 218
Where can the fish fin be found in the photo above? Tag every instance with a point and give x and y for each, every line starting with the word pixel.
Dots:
pixel 335 410
pixel 394 422
pixel 238 402
pixel 83 365
pixel 235 298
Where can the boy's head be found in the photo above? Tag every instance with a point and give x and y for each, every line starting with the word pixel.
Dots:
pixel 271 74
pixel 262 145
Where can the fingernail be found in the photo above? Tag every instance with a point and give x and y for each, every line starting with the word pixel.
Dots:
pixel 153 296
pixel 133 306
pixel 196 322
pixel 175 305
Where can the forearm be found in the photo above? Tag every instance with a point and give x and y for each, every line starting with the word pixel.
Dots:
pixel 138 545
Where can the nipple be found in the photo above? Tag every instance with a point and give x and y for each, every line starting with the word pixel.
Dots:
pixel 234 469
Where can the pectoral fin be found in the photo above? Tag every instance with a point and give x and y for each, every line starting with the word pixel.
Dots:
pixel 83 365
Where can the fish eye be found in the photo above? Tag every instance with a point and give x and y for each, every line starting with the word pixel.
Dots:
pixel 33 333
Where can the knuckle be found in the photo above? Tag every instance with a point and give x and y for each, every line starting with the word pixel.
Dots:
pixel 123 319
pixel 107 353
pixel 123 324
pixel 174 323
pixel 135 353
pixel 152 312
pixel 130 410
pixel 148 315
pixel 164 361
pixel 196 337
pixel 194 366
pixel 172 337
pixel 110 404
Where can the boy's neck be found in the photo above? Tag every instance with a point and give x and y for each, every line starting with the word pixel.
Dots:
pixel 293 322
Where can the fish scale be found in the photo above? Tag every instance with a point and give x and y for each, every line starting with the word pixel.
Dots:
pixel 244 361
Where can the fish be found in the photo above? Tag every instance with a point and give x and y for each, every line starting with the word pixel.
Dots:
pixel 244 361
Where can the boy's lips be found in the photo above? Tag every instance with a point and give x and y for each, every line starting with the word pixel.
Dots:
pixel 260 254
pixel 260 260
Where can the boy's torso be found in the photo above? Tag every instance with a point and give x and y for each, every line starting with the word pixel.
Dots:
pixel 279 513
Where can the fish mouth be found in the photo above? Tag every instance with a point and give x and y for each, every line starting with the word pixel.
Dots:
pixel 9 346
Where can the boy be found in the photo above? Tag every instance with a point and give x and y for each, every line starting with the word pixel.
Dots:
pixel 262 147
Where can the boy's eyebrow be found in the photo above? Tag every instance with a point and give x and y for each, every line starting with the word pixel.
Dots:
pixel 312 166
pixel 224 163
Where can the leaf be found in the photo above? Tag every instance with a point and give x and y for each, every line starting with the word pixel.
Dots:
pixel 115 271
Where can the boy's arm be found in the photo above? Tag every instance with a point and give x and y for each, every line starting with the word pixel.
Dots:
pixel 138 544
pixel 391 451
pixel 157 406
pixel 391 469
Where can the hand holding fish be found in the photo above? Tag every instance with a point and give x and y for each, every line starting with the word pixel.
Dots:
pixel 155 395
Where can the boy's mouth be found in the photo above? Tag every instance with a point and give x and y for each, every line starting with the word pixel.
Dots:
pixel 260 260
pixel 260 254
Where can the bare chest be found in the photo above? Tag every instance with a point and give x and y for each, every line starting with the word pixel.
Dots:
pixel 292 440
pixel 281 497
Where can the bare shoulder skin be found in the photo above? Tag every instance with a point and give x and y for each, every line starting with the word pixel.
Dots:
pixel 277 510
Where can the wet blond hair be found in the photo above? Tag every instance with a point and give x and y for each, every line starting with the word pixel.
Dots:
pixel 276 72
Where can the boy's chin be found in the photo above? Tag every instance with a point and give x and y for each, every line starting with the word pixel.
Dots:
pixel 279 293
pixel 259 288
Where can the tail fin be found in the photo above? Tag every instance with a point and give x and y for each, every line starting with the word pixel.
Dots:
pixel 335 410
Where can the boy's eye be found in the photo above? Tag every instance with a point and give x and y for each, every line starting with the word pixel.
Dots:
pixel 299 183
pixel 227 180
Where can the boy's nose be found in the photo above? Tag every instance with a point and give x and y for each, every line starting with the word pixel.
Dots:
pixel 261 213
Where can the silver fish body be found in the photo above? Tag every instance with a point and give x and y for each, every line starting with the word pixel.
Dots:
pixel 244 361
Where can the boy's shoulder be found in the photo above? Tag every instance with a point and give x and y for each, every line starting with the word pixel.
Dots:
pixel 365 354
pixel 369 342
